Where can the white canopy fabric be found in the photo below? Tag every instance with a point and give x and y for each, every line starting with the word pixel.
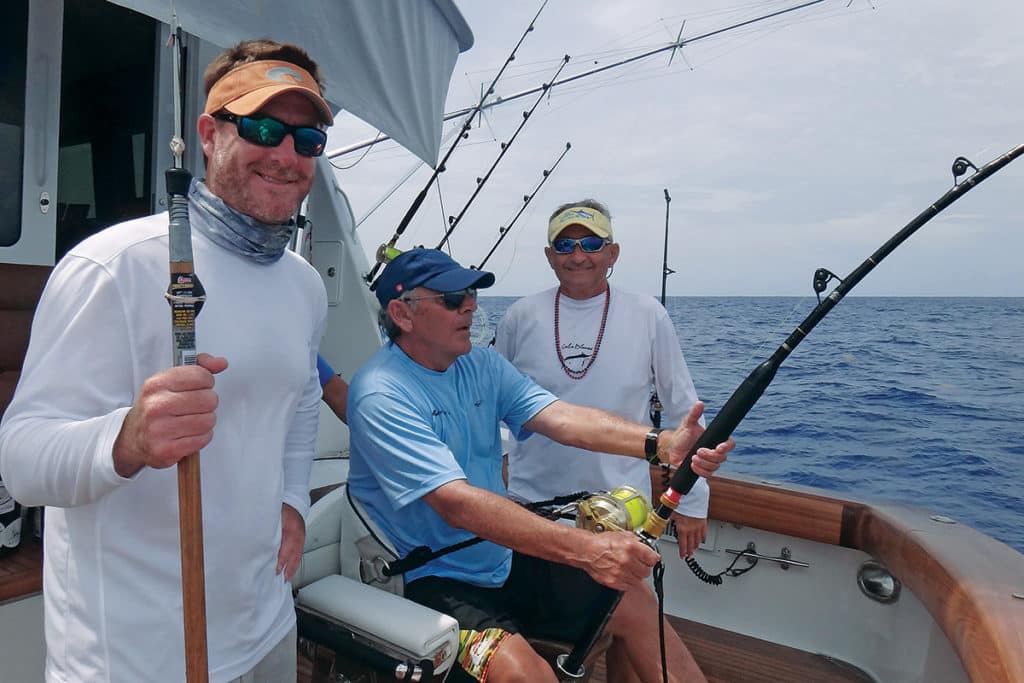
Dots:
pixel 386 61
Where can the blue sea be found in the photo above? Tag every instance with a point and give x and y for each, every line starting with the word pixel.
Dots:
pixel 915 400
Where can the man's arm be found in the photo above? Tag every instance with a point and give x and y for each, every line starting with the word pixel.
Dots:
pixel 293 539
pixel 614 559
pixel 596 430
pixel 335 389
pixel 79 427
pixel 336 396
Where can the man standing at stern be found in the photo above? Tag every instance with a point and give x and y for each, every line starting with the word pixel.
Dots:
pixel 424 416
pixel 600 346
pixel 99 420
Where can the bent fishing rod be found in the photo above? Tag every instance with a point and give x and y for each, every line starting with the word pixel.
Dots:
pixel 463 133
pixel 185 295
pixel 751 389
pixel 505 229
pixel 453 221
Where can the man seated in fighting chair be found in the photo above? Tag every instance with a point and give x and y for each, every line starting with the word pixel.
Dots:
pixel 424 416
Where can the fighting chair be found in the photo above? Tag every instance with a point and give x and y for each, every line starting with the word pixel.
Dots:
pixel 346 604
pixel 377 630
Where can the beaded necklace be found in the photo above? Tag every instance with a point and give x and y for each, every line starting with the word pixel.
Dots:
pixel 580 374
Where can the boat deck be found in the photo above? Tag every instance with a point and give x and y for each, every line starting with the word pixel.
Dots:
pixel 723 656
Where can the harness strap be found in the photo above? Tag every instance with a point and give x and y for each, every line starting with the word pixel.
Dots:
pixel 420 555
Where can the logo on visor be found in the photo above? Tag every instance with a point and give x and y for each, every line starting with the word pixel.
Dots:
pixel 283 73
pixel 578 213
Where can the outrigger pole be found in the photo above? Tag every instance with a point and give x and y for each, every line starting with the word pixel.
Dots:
pixel 186 296
pixel 504 230
pixel 464 133
pixel 674 46
pixel 751 389
pixel 453 221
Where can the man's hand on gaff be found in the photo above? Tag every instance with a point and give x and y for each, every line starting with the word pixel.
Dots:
pixel 293 539
pixel 706 460
pixel 173 417
pixel 690 531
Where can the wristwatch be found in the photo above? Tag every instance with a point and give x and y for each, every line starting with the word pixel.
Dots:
pixel 651 445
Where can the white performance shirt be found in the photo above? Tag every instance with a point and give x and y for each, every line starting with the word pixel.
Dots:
pixel 112 568
pixel 639 345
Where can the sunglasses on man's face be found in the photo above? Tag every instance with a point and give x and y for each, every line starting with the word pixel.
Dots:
pixel 452 300
pixel 267 131
pixel 590 244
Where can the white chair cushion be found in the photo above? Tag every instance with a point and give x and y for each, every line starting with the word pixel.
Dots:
pixel 398 627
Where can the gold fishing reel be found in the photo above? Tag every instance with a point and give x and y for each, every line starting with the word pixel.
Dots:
pixel 621 509
pixel 386 254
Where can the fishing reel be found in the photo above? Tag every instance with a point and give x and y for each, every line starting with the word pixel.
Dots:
pixel 386 254
pixel 621 509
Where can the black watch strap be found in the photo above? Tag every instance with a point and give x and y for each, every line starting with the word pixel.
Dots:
pixel 651 445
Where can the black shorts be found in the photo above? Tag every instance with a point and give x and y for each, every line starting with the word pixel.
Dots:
pixel 540 599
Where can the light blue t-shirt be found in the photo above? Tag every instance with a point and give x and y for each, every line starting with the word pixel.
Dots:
pixel 412 429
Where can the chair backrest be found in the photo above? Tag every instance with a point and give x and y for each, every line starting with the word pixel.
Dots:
pixel 323 538
pixel 364 550
pixel 20 287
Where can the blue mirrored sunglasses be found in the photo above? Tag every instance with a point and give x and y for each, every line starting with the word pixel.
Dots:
pixel 267 131
pixel 452 300
pixel 590 244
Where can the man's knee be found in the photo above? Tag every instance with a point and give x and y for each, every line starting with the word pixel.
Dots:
pixel 517 662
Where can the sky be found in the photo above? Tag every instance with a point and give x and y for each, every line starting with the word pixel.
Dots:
pixel 794 144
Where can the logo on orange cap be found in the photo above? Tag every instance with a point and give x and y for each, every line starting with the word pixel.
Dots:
pixel 246 88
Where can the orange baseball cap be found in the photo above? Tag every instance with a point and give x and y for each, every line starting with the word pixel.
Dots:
pixel 246 88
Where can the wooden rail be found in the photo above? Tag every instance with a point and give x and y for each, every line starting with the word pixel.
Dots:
pixel 966 580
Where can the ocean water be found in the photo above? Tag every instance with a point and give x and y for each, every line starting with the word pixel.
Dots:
pixel 917 400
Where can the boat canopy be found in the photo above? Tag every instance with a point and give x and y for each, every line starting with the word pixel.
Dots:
pixel 387 61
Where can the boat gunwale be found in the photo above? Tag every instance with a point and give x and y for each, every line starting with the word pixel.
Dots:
pixel 964 578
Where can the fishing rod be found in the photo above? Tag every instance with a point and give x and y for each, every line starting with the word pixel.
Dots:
pixel 504 230
pixel 751 389
pixel 453 221
pixel 665 270
pixel 464 133
pixel 678 44
pixel 656 406
pixel 186 295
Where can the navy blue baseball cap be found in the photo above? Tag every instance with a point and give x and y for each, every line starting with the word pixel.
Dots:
pixel 430 268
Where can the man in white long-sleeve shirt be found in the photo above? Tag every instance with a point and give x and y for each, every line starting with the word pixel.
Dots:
pixel 99 419
pixel 604 347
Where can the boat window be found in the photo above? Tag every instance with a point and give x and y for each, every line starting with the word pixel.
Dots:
pixel 106 120
pixel 13 46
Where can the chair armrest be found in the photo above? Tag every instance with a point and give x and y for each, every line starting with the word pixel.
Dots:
pixel 396 627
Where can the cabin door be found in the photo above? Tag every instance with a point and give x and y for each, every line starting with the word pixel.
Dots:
pixel 76 123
